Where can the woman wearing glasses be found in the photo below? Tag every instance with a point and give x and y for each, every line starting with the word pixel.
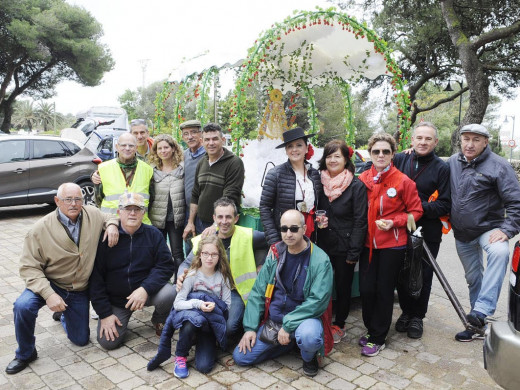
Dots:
pixel 294 184
pixel 343 230
pixel 167 210
pixel 391 197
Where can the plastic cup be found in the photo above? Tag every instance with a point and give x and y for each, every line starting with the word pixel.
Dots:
pixel 320 214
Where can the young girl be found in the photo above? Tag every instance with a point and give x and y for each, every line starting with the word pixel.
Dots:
pixel 200 310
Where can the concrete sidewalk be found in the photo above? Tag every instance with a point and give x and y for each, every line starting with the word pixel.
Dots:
pixel 436 361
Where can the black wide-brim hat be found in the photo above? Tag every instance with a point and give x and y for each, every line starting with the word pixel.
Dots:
pixel 292 135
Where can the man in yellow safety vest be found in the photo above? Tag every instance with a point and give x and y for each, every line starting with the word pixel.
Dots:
pixel 241 244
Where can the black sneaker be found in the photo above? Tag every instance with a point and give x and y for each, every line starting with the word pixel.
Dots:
pixel 415 328
pixel 402 323
pixel 467 336
pixel 311 368
pixel 476 318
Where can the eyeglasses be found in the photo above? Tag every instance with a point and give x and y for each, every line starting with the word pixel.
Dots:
pixel 293 228
pixel 214 256
pixel 71 200
pixel 377 152
pixel 127 146
pixel 130 209
pixel 135 122
pixel 191 132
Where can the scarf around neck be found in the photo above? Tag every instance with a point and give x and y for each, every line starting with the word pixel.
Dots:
pixel 335 186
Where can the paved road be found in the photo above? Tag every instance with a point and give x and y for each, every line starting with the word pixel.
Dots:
pixel 436 361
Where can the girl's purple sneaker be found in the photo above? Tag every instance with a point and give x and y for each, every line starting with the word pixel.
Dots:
pixel 372 349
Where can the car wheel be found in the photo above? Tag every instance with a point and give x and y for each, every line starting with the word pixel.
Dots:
pixel 87 190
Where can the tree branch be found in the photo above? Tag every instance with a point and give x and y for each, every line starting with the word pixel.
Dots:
pixel 450 98
pixel 500 68
pixel 496 34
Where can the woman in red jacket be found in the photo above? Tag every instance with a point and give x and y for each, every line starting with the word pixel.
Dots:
pixel 391 197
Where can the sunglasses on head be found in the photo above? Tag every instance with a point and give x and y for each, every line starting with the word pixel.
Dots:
pixel 377 152
pixel 293 228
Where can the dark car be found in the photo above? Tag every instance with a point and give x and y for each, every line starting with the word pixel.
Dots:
pixel 32 168
pixel 103 143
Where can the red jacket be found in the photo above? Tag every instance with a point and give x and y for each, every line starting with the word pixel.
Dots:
pixel 393 197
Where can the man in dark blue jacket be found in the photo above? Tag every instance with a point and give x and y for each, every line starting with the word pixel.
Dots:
pixel 133 274
pixel 430 174
pixel 485 214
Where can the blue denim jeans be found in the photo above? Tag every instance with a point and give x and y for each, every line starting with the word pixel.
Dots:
pixel 236 314
pixel 26 310
pixel 205 346
pixel 308 336
pixel 484 285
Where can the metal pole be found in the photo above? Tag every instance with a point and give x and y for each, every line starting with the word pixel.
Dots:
pixel 513 138
pixel 54 112
pixel 460 100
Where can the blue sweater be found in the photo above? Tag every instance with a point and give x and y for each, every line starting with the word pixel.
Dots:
pixel 139 260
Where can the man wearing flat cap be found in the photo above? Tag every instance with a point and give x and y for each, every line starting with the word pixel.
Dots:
pixel 485 214
pixel 192 136
pixel 132 274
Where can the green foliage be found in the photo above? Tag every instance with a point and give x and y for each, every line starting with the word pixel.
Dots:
pixel 43 42
pixel 251 114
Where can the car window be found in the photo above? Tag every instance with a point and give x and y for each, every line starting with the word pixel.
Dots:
pixel 12 150
pixel 49 149
pixel 105 144
pixel 72 147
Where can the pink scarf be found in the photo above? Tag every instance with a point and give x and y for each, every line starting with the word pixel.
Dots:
pixel 335 186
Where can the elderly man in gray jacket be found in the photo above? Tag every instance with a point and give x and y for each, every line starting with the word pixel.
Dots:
pixel 485 214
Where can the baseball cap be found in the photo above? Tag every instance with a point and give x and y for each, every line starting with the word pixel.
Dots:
pixel 131 199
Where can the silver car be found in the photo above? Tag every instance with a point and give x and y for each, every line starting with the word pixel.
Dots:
pixel 502 339
pixel 32 167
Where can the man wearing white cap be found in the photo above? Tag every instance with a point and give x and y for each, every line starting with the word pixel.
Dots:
pixel 485 214
pixel 133 274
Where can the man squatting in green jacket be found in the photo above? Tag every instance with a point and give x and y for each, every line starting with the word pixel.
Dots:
pixel 299 295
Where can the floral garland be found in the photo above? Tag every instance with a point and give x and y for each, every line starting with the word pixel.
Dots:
pixel 258 54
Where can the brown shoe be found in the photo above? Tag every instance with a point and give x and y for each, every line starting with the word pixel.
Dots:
pixel 158 329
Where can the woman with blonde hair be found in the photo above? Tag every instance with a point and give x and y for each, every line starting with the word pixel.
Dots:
pixel 167 208
pixel 391 197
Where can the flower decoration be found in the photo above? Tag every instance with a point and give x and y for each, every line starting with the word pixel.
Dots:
pixel 310 152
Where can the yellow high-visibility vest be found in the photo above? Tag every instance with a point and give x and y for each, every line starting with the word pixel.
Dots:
pixel 114 185
pixel 241 259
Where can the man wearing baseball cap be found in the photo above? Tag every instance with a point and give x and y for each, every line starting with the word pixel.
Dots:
pixel 485 214
pixel 133 274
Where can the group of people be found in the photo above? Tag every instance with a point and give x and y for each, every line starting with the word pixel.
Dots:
pixel 318 224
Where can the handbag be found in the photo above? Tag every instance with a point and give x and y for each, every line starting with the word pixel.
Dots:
pixel 269 334
pixel 410 276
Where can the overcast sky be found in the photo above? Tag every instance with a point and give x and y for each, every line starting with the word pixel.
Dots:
pixel 167 32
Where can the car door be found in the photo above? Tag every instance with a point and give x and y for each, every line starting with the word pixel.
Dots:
pixel 105 149
pixel 14 172
pixel 51 164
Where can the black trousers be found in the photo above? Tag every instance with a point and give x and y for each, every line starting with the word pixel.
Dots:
pixel 418 307
pixel 343 277
pixel 377 282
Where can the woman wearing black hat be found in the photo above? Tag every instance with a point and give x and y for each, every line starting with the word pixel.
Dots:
pixel 294 184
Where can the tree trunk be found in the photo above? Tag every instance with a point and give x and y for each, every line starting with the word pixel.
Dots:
pixel 7 109
pixel 478 82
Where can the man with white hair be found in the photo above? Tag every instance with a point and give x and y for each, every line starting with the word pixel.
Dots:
pixel 57 258
pixel 126 173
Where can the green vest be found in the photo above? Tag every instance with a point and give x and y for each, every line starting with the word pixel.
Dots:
pixel 241 259
pixel 114 185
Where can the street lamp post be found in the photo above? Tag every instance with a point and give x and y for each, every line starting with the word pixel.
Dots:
pixel 450 89
pixel 512 144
